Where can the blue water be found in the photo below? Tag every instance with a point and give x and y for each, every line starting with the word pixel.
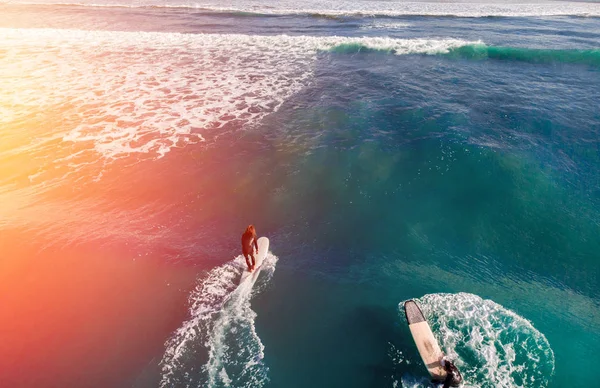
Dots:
pixel 450 156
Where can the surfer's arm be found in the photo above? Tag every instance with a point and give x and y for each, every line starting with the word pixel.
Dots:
pixel 256 244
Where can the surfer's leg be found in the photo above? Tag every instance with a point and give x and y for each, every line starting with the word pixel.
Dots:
pixel 247 261
pixel 253 260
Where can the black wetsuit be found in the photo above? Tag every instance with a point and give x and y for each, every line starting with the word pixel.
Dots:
pixel 449 378
pixel 248 240
pixel 453 377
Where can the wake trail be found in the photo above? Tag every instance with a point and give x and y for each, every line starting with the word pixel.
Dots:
pixel 219 345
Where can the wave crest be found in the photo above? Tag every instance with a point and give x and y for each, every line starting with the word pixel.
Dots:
pixel 523 54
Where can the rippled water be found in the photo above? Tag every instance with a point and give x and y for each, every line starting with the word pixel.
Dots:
pixel 441 152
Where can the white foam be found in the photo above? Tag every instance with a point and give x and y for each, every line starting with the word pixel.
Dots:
pixel 119 94
pixel 221 327
pixel 492 346
pixel 518 8
pixel 385 25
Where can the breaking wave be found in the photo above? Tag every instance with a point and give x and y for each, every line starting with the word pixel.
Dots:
pixel 106 95
pixel 522 54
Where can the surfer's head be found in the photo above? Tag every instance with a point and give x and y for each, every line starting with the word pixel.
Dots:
pixel 250 229
pixel 449 366
pixel 446 364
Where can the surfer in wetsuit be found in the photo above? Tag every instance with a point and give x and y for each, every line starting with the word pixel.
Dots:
pixel 453 377
pixel 248 240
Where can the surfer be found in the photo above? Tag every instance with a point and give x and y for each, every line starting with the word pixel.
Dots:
pixel 453 376
pixel 249 239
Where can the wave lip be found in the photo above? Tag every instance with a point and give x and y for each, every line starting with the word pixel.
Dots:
pixel 492 346
pixel 460 49
pixel 219 346
pixel 520 54
pixel 397 46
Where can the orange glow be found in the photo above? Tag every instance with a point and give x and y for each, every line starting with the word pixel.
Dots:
pixel 71 316
pixel 67 318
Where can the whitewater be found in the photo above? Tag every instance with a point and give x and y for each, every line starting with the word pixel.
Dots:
pixel 221 330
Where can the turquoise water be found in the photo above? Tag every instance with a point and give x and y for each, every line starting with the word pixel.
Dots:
pixel 435 156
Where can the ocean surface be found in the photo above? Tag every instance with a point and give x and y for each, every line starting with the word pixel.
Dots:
pixel 439 151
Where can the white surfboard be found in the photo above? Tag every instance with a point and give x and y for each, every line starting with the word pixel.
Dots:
pixel 428 347
pixel 263 248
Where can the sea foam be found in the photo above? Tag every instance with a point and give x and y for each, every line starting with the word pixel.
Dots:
pixel 141 94
pixel 219 344
pixel 492 346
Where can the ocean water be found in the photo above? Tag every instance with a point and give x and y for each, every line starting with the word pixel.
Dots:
pixel 439 151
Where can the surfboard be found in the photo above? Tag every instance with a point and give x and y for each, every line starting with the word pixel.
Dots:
pixel 428 347
pixel 263 248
